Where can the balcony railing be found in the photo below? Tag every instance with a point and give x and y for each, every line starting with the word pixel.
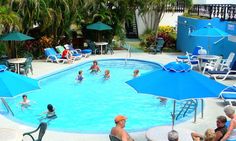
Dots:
pixel 226 12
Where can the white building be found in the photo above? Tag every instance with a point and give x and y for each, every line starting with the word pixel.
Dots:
pixel 214 1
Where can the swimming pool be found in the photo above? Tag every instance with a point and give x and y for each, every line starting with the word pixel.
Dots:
pixel 90 106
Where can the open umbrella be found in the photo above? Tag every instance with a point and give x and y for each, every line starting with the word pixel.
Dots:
pixel 210 32
pixel 99 26
pixel 12 84
pixel 15 36
pixel 178 82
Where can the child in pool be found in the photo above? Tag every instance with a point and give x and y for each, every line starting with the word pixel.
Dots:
pixel 80 76
pixel 136 73
pixel 25 103
pixel 107 74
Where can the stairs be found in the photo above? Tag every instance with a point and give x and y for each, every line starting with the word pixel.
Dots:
pixel 131 28
pixel 189 105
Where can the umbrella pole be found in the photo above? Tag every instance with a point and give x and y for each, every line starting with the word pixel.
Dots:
pixel 208 44
pixel 173 116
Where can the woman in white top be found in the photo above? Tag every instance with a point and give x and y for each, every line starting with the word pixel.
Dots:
pixel 231 133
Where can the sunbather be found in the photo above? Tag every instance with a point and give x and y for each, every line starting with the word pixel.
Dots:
pixel 220 131
pixel 95 68
pixel 231 133
pixel 119 130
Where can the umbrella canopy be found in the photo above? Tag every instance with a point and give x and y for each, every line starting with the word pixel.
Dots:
pixel 178 85
pixel 12 84
pixel 99 26
pixel 15 36
pixel 178 82
pixel 209 31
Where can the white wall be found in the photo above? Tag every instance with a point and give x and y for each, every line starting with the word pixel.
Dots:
pixel 168 19
pixel 214 1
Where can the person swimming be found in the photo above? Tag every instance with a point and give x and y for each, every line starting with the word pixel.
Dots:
pixel 80 76
pixel 136 73
pixel 94 68
pixel 107 74
pixel 50 113
pixel 25 103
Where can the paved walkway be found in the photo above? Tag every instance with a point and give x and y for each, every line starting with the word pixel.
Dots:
pixel 213 108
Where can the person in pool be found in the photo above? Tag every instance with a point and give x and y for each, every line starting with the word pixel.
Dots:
pixel 136 73
pixel 25 102
pixel 50 113
pixel 95 68
pixel 80 76
pixel 107 74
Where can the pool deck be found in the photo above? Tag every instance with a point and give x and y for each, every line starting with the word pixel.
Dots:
pixel 212 109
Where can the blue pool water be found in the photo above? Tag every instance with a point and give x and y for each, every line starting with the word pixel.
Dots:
pixel 90 106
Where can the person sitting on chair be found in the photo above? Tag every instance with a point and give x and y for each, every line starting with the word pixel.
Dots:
pixel 66 54
pixel 119 130
pixel 94 68
pixel 220 131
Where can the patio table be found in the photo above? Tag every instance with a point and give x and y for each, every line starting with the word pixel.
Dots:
pixel 207 57
pixel 17 62
pixel 10 134
pixel 160 133
pixel 101 44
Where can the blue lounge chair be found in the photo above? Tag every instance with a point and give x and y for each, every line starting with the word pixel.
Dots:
pixel 84 52
pixel 53 56
pixel 75 55
pixel 223 74
pixel 229 94
pixel 184 58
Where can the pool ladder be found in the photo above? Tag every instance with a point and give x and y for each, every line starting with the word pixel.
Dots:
pixel 127 46
pixel 189 105
pixel 7 106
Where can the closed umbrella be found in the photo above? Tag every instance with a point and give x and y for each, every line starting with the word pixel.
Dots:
pixel 12 84
pixel 209 32
pixel 176 81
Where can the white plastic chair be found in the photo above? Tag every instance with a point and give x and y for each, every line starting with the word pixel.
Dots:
pixel 212 65
pixel 225 64
pixel 193 61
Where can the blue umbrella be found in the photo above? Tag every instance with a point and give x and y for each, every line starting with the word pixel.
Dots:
pixel 176 81
pixel 12 84
pixel 209 32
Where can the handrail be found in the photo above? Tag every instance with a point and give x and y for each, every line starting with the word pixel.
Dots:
pixel 7 106
pixel 186 107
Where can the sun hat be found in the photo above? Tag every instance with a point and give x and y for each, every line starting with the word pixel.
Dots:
pixel 119 118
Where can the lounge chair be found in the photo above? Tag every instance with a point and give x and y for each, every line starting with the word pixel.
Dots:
pixel 212 65
pixel 223 74
pixel 42 129
pixel 76 56
pixel 53 56
pixel 229 94
pixel 114 138
pixel 227 62
pixel 196 51
pixel 193 61
pixel 84 52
